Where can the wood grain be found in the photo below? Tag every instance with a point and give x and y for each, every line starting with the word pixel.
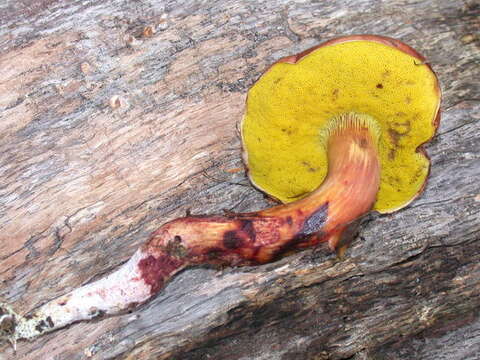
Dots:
pixel 83 184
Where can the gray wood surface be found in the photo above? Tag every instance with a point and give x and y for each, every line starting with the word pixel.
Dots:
pixel 83 183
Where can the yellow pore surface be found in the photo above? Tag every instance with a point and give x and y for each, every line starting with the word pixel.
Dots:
pixel 289 105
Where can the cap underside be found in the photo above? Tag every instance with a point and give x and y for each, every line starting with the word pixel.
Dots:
pixel 289 105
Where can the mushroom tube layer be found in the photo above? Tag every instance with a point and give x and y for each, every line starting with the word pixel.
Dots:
pixel 348 192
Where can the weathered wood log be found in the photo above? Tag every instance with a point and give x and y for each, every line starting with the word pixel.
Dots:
pixel 110 129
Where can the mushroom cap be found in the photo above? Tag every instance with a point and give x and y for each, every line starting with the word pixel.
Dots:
pixel 368 74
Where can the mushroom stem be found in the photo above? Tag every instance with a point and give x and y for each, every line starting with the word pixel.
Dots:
pixel 348 192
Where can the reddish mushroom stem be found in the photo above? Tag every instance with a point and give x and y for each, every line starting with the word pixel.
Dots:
pixel 348 192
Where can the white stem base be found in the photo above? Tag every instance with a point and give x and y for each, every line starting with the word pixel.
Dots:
pixel 110 295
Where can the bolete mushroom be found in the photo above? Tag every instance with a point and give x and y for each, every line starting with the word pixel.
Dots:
pixel 331 132
pixel 365 74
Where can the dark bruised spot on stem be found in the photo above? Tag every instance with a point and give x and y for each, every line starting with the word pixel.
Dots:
pixel 248 229
pixel 235 239
pixel 379 86
pixel 231 240
pixel 314 223
pixel 312 226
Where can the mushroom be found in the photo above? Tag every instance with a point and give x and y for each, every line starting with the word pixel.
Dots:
pixel 332 133
pixel 364 74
